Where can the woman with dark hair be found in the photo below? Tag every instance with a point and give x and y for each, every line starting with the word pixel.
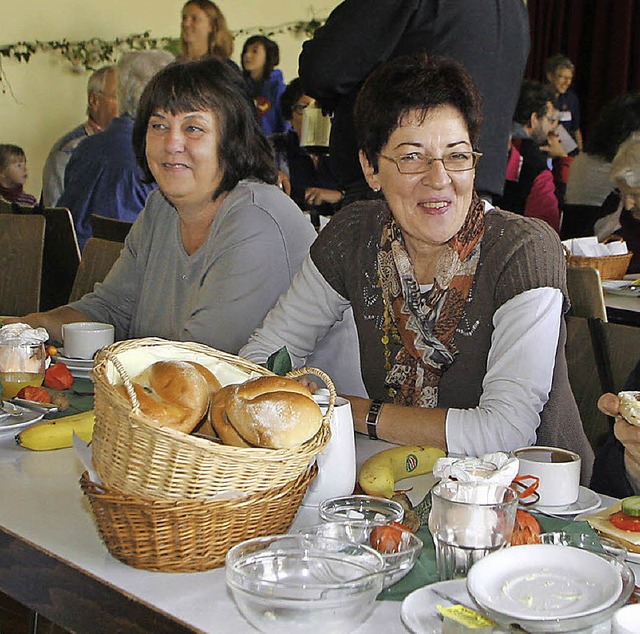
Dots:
pixel 260 56
pixel 218 242
pixel 204 32
pixel 458 305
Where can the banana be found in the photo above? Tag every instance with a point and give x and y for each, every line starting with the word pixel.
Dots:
pixel 378 474
pixel 58 433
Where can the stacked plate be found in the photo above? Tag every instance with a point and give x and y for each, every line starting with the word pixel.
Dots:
pixel 79 368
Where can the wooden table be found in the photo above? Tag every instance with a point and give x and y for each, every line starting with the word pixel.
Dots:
pixel 52 560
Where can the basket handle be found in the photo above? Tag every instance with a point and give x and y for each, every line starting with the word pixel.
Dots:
pixel 325 377
pixel 125 380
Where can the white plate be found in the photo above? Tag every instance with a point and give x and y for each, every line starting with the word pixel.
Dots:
pixel 26 417
pixel 79 374
pixel 419 610
pixel 587 501
pixel 613 287
pixel 69 362
pixel 543 583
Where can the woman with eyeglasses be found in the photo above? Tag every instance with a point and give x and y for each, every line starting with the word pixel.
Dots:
pixel 458 305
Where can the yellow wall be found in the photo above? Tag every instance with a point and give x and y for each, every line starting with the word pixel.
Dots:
pixel 50 98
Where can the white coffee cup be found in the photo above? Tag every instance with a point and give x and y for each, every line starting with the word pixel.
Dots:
pixel 626 620
pixel 558 470
pixel 337 461
pixel 82 339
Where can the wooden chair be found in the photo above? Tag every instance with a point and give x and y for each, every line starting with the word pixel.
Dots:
pixel 109 228
pixel 61 258
pixel 623 349
pixel 97 259
pixel 21 248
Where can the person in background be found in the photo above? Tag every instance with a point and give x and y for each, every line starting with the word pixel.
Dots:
pixel 529 186
pixel 102 177
pixel 616 470
pixel 589 177
pixel 308 176
pixel 490 38
pixel 102 107
pixel 260 56
pixel 458 305
pixel 204 32
pixel 13 175
pixel 559 71
pixel 625 220
pixel 217 243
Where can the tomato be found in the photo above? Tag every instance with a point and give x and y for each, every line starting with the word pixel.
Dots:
pixel 526 529
pixel 38 394
pixel 58 377
pixel 625 522
pixel 52 351
pixel 387 538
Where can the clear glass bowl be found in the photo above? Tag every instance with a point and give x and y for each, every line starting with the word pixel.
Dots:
pixel 586 541
pixel 294 583
pixel 396 564
pixel 360 507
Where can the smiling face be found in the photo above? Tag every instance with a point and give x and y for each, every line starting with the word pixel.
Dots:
pixel 560 79
pixel 182 153
pixel 196 27
pixel 431 207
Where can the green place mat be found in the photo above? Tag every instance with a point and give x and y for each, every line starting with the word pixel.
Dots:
pixel 424 572
pixel 78 402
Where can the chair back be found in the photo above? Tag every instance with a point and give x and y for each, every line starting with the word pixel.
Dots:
pixel 97 259
pixel 61 258
pixel 585 293
pixel 21 248
pixel 623 348
pixel 109 228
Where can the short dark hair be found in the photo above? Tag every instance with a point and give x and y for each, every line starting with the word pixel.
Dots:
pixel 210 85
pixel 558 61
pixel 8 152
pixel 413 82
pixel 534 97
pixel 290 97
pixel 272 58
pixel 617 120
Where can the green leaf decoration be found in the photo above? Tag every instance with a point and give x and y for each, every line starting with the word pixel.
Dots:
pixel 280 362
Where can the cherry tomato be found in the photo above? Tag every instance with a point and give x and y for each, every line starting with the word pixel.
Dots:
pixel 625 522
pixel 38 394
pixel 387 538
pixel 52 351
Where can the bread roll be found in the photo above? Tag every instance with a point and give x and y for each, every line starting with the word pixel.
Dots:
pixel 172 394
pixel 630 406
pixel 219 421
pixel 209 377
pixel 273 412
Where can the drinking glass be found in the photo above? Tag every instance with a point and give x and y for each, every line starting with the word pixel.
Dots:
pixel 467 522
pixel 21 364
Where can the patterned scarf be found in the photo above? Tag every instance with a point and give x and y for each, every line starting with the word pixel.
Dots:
pixel 426 324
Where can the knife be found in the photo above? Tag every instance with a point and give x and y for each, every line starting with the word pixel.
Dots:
pixel 36 406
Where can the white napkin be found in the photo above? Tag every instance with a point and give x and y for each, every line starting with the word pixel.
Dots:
pixel 22 333
pixel 590 247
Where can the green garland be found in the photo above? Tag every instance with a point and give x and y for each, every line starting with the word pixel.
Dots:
pixel 94 53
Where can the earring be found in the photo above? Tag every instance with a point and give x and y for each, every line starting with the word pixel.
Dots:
pixel 377 189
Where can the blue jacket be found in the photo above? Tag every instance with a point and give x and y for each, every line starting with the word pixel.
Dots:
pixel 103 177
pixel 267 99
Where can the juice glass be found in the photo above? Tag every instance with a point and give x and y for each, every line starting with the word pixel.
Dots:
pixel 21 364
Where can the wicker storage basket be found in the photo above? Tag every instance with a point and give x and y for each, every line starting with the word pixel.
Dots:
pixel 189 535
pixel 133 456
pixel 611 267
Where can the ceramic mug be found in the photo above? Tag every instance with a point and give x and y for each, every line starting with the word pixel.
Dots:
pixel 626 620
pixel 337 460
pixel 558 471
pixel 83 339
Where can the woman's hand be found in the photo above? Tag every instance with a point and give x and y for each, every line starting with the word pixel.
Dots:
pixel 317 195
pixel 284 183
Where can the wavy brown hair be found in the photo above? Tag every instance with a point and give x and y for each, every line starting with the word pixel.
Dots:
pixel 220 38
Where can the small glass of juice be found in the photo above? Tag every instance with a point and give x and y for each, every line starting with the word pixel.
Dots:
pixel 21 364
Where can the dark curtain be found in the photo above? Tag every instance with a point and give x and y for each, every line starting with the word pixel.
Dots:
pixel 601 37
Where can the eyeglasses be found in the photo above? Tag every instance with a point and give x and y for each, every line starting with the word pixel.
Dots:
pixel 417 163
pixel 299 107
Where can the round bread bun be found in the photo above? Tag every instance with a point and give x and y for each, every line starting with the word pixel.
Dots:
pixel 208 376
pixel 630 407
pixel 219 421
pixel 273 412
pixel 172 393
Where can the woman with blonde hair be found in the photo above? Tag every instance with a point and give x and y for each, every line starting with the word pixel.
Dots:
pixel 204 31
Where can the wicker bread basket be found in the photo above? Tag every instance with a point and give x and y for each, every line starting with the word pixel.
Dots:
pixel 133 456
pixel 189 535
pixel 611 267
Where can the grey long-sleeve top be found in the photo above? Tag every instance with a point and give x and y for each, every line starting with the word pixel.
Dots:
pixel 220 294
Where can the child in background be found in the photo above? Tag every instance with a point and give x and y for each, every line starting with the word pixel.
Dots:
pixel 13 175
pixel 260 56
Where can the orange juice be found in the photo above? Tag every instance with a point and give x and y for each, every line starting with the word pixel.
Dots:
pixel 13 382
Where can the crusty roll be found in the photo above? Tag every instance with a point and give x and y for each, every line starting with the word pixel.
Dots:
pixel 273 412
pixel 208 376
pixel 219 421
pixel 630 406
pixel 172 393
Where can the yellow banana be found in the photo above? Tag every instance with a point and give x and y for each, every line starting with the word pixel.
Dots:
pixel 58 433
pixel 378 474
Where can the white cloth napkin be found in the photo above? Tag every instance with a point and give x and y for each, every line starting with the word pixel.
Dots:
pixel 22 333
pixel 590 247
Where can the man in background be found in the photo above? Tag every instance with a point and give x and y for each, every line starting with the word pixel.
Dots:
pixel 102 106
pixel 560 71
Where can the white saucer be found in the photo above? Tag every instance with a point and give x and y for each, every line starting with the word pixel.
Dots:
pixel 79 364
pixel 588 500
pixel 419 610
pixel 80 373
pixel 13 423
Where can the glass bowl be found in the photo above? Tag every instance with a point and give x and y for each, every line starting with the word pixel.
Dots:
pixel 293 583
pixel 586 541
pixel 360 507
pixel 396 564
